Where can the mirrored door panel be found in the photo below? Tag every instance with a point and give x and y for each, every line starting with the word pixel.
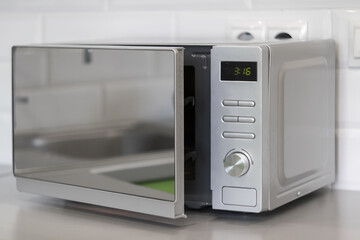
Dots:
pixel 103 118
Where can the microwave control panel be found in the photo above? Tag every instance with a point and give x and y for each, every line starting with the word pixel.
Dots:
pixel 238 76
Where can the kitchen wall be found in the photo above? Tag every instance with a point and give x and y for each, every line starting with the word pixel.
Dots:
pixel 37 21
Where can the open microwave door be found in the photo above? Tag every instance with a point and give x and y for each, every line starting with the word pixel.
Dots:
pixel 101 125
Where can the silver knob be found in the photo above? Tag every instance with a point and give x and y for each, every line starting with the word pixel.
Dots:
pixel 236 164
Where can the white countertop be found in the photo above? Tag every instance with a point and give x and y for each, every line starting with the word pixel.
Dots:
pixel 325 214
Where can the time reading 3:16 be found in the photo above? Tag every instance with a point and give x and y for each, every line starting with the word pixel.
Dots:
pixel 239 71
pixel 245 71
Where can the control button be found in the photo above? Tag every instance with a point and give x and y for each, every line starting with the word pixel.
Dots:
pixel 230 118
pixel 238 135
pixel 246 119
pixel 230 103
pixel 246 103
pixel 236 164
pixel 238 103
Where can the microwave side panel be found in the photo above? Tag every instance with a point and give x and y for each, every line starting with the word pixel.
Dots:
pixel 46 160
pixel 302 119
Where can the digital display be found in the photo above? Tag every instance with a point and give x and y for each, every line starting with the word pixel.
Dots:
pixel 239 71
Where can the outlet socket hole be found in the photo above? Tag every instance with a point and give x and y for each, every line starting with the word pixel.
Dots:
pixel 282 36
pixel 245 36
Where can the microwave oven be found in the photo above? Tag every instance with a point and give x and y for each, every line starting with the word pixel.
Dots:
pixel 151 128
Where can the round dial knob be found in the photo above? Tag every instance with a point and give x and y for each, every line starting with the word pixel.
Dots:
pixel 236 164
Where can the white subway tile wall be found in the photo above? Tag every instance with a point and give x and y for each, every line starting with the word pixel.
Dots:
pixel 18 29
pixel 36 21
pixel 180 5
pixel 52 5
pixel 304 4
pixel 348 142
pixel 348 98
pixel 5 89
pixel 5 113
pixel 97 26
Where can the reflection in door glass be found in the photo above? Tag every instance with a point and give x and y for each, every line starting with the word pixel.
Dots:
pixel 96 118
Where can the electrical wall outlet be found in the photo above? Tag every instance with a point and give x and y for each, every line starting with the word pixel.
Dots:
pixel 282 30
pixel 278 25
pixel 268 30
pixel 247 31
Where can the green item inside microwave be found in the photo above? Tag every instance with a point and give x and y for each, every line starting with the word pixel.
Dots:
pixel 164 185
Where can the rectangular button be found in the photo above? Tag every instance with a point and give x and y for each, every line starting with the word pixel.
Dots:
pixel 230 118
pixel 230 103
pixel 238 135
pixel 246 119
pixel 246 103
pixel 239 196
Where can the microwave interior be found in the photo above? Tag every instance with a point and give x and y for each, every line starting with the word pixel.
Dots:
pixel 94 122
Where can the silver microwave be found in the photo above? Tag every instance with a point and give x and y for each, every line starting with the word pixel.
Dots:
pixel 151 128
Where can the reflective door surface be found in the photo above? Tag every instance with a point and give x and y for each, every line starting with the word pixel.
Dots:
pixel 103 118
